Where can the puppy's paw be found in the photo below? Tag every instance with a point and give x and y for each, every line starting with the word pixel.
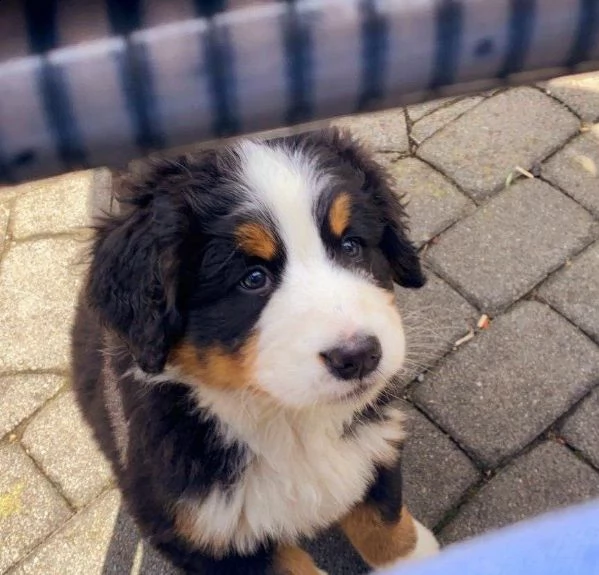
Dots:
pixel 426 543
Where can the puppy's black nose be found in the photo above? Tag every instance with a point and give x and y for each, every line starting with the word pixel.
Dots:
pixel 355 359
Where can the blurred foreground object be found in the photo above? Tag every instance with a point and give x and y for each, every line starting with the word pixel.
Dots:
pixel 559 543
pixel 94 82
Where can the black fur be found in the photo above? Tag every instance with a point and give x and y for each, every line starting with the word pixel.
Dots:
pixel 375 191
pixel 166 268
pixel 386 492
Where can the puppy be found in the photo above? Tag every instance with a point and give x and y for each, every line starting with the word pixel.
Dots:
pixel 234 349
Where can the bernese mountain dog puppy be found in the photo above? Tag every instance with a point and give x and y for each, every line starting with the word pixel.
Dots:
pixel 234 352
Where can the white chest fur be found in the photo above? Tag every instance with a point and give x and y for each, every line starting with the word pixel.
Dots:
pixel 303 473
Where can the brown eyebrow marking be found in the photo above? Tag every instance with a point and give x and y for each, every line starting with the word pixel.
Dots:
pixel 340 213
pixel 255 240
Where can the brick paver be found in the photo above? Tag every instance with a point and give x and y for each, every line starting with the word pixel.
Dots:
pixel 503 419
pixel 432 123
pixel 98 541
pixel 574 291
pixel 496 394
pixel 575 169
pixel 22 394
pixel 39 282
pixel 579 92
pixel 434 317
pixel 419 111
pixel 52 206
pixel 515 128
pixel 433 203
pixel 581 429
pixel 548 477
pixel 436 473
pixel 511 243
pixel 77 465
pixel 381 132
pixel 4 216
pixel 30 508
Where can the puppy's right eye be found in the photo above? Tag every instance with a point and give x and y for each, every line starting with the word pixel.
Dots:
pixel 257 279
pixel 352 247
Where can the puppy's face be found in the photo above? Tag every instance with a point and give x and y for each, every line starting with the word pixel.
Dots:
pixel 280 279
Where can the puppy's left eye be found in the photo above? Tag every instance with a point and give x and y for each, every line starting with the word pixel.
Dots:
pixel 255 280
pixel 352 247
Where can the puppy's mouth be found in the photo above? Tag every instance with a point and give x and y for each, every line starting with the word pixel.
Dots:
pixel 361 390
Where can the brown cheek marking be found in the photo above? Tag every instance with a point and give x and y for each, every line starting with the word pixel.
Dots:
pixel 294 561
pixel 216 367
pixel 378 542
pixel 256 240
pixel 340 213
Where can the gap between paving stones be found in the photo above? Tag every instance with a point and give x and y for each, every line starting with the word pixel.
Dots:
pixel 488 475
pixel 74 516
pixel 559 189
pixel 415 144
pixel 558 100
pixel 8 205
pixel 83 234
pixel 21 428
pixel 531 293
pixel 551 431
pixel 540 299
pixel 18 430
pixel 531 160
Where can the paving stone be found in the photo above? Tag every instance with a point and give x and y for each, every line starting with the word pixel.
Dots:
pixel 76 466
pixel 21 395
pixel 434 318
pixel 580 92
pixel 381 132
pixel 502 389
pixel 332 552
pixel 100 200
pixel 511 243
pixel 575 169
pixel 54 205
pixel 435 472
pixel 515 128
pixel 548 477
pixel 100 540
pixel 419 111
pixel 581 429
pixel 432 123
pixel 30 508
pixel 574 291
pixel 4 215
pixel 39 282
pixel 433 202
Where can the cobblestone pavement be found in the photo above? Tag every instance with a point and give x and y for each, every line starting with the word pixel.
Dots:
pixel 504 418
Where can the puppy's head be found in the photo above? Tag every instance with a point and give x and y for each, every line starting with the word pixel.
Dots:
pixel 266 266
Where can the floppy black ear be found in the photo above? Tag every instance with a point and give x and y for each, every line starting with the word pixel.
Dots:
pixel 398 249
pixel 395 244
pixel 133 279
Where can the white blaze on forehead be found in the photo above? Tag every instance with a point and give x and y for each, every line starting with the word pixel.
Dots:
pixel 318 304
pixel 286 184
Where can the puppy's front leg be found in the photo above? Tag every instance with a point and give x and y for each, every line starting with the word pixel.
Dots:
pixel 382 529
